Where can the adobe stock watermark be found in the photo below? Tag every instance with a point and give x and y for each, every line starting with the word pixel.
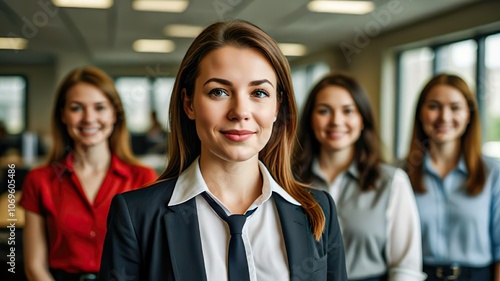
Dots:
pixel 307 268
pixel 223 7
pixel 39 19
pixel 381 18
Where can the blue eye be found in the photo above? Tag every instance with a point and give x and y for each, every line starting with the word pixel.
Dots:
pixel 218 93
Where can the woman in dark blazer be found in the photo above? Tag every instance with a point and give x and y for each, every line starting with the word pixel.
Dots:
pixel 233 120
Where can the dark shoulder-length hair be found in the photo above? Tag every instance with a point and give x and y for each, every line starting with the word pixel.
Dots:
pixel 185 145
pixel 367 147
pixel 62 144
pixel 470 140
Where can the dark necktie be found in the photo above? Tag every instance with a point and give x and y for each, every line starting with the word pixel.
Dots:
pixel 237 258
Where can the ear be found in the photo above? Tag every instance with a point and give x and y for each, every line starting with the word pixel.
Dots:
pixel 187 105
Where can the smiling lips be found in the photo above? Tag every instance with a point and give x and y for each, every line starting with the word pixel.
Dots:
pixel 335 134
pixel 89 131
pixel 238 135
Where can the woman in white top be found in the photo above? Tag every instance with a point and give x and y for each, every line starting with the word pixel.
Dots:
pixel 339 153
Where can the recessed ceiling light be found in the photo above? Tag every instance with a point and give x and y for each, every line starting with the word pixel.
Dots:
pixel 291 49
pixel 182 30
pixel 154 46
pixel 91 4
pixel 13 43
pixel 341 7
pixel 173 6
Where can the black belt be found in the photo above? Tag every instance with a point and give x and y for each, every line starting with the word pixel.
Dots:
pixel 61 275
pixel 454 271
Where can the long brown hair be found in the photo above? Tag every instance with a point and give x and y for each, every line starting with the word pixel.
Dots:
pixel 367 147
pixel 185 145
pixel 62 144
pixel 470 140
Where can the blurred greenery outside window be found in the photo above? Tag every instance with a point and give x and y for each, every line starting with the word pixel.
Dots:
pixel 476 60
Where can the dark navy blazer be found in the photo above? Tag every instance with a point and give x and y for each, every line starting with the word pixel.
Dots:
pixel 148 240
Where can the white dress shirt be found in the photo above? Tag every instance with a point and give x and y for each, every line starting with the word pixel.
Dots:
pixel 262 234
pixel 380 227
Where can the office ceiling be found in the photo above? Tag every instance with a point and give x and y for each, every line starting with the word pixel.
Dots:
pixel 106 36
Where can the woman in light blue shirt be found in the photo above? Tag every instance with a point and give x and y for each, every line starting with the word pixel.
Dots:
pixel 457 189
pixel 339 153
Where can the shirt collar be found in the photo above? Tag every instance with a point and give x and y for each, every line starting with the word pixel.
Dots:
pixel 461 166
pixel 117 165
pixel 351 170
pixel 191 183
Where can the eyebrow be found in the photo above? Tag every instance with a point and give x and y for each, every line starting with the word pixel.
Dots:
pixel 452 102
pixel 343 106
pixel 228 83
pixel 95 103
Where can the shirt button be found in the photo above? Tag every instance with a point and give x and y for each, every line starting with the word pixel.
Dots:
pixel 92 234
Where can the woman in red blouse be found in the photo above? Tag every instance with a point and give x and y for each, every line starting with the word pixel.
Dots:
pixel 67 200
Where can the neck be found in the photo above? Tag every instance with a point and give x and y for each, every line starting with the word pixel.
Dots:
pixel 445 157
pixel 236 184
pixel 332 163
pixel 95 157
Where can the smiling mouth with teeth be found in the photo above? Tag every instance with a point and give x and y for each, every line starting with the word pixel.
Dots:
pixel 89 131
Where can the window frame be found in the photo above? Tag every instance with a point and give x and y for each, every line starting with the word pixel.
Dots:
pixel 480 72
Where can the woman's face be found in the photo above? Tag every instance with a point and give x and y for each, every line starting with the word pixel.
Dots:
pixel 234 103
pixel 88 115
pixel 444 114
pixel 336 121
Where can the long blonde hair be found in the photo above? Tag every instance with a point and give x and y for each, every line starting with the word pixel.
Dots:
pixel 185 145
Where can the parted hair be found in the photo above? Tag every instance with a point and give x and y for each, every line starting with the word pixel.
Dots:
pixel 185 146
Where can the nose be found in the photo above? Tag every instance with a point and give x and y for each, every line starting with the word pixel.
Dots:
pixel 445 114
pixel 89 115
pixel 240 108
pixel 336 118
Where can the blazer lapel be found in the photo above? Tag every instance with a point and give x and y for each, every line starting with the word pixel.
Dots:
pixel 297 235
pixel 183 235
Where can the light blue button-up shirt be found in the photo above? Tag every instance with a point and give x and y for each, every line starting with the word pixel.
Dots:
pixel 457 227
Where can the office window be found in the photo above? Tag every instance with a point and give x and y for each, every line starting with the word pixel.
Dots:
pixel 141 96
pixel 459 59
pixel 162 91
pixel 491 97
pixel 135 95
pixel 13 103
pixel 304 78
pixel 476 60
pixel 416 68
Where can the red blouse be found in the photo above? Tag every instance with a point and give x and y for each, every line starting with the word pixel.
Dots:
pixel 76 228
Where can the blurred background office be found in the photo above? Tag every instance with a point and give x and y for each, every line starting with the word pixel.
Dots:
pixel 391 46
